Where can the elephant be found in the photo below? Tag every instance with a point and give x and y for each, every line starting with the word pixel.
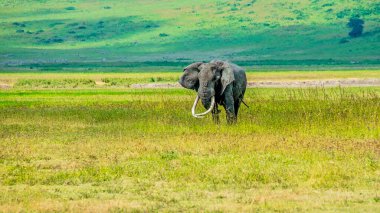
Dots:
pixel 216 83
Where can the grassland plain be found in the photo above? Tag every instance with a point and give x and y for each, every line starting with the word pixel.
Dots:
pixel 314 149
pixel 119 79
pixel 107 32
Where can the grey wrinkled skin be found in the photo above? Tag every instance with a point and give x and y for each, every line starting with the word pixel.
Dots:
pixel 226 81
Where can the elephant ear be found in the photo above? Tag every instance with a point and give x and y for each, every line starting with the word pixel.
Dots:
pixel 189 79
pixel 227 75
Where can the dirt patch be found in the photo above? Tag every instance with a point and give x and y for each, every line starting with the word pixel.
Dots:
pixel 317 83
pixel 100 83
pixel 5 86
pixel 156 85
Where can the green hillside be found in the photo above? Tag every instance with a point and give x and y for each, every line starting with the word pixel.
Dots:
pixel 256 31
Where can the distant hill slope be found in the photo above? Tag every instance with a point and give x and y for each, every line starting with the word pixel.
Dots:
pixel 84 31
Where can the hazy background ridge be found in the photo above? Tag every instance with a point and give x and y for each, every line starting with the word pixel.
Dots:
pixel 251 31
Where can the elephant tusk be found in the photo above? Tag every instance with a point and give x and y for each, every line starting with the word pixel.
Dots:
pixel 194 106
pixel 201 115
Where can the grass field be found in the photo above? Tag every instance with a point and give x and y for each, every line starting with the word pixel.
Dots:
pixel 99 80
pixel 116 149
pixel 77 136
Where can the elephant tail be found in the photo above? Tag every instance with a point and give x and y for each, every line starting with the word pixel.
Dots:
pixel 244 103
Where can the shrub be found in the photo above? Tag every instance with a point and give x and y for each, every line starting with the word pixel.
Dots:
pixel 121 82
pixel 70 8
pixel 343 41
pixel 357 27
pixel 18 24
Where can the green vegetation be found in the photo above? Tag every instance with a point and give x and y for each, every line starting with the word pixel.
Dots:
pixel 101 80
pixel 98 33
pixel 54 83
pixel 126 82
pixel 76 136
pixel 139 149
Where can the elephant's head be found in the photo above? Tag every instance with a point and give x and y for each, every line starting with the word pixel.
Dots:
pixel 209 80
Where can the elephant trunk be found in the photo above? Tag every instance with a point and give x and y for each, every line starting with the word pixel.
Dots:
pixel 200 115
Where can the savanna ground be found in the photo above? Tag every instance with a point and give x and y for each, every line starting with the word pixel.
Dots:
pixel 78 142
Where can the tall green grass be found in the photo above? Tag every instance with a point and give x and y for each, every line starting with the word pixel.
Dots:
pixel 293 149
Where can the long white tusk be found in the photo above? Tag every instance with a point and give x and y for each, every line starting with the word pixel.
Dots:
pixel 194 106
pixel 201 115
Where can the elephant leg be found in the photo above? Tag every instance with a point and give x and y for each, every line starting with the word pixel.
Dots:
pixel 229 105
pixel 215 114
pixel 237 106
pixel 230 114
